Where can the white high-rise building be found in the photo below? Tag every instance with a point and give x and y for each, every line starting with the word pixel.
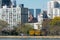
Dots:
pixel 11 15
pixel 53 9
pixel 38 25
pixel 14 15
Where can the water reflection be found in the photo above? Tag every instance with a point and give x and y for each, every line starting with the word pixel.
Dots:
pixel 29 39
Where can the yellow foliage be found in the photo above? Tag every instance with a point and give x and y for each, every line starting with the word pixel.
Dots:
pixel 31 32
pixel 54 21
pixel 37 32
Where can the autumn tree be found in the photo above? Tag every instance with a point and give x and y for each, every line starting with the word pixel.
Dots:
pixel 24 28
pixel 55 21
pixel 55 26
pixel 3 24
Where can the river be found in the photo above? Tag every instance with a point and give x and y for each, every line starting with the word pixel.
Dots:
pixel 30 39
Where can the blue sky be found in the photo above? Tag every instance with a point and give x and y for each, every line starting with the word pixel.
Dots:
pixel 42 4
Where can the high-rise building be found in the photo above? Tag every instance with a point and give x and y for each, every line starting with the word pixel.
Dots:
pixel 14 15
pixel 38 25
pixel 6 2
pixel 56 4
pixel 32 19
pixel 21 5
pixel 40 18
pixel 53 9
pixel 45 14
pixel 38 11
pixel 0 3
pixel 14 3
pixel 31 11
pixel 24 15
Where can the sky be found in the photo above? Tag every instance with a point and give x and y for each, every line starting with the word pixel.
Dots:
pixel 42 4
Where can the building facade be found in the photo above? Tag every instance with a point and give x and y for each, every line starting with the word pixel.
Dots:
pixel 38 25
pixel 45 14
pixel 14 15
pixel 14 3
pixel 31 11
pixel 53 9
pixel 38 11
pixel 24 15
pixel 0 3
pixel 8 3
pixel 21 5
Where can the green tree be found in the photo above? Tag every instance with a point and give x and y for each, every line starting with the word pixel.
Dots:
pixel 55 26
pixel 3 24
pixel 55 21
pixel 24 28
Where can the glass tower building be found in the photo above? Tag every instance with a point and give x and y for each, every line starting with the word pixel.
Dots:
pixel 31 12
pixel 38 11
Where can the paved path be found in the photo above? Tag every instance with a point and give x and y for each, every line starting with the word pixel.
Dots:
pixel 29 36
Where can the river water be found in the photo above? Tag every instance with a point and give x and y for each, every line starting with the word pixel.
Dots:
pixel 29 39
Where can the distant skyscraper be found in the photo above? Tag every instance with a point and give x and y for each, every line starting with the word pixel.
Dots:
pixel 14 3
pixel 21 5
pixel 31 11
pixel 0 3
pixel 38 11
pixel 45 14
pixel 6 2
pixel 24 15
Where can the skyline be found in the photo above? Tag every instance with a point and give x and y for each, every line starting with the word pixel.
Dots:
pixel 34 4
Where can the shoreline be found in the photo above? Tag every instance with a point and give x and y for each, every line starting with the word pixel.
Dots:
pixel 29 36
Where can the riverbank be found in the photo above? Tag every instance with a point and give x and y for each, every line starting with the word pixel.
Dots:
pixel 29 36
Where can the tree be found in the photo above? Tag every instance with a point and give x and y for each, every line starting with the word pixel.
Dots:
pixel 24 28
pixel 45 23
pixel 3 24
pixel 55 26
pixel 55 21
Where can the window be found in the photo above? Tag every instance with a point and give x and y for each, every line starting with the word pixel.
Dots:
pixel 14 10
pixel 56 12
pixel 14 14
pixel 6 19
pixel 6 10
pixel 56 5
pixel 14 20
